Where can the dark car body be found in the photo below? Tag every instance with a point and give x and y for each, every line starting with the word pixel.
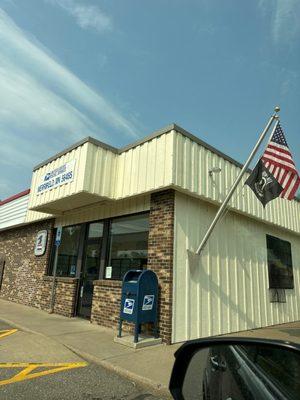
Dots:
pixel 249 373
pixel 236 369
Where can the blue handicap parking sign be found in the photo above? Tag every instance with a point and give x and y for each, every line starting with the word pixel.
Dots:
pixel 148 302
pixel 58 236
pixel 128 306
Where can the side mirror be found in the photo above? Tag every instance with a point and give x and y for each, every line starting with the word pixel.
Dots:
pixel 236 369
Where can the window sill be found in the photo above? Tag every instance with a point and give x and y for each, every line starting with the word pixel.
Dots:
pixel 108 283
pixel 65 279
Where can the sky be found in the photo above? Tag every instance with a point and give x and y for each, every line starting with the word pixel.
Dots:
pixel 118 70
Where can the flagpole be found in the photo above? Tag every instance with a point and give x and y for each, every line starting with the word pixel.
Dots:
pixel 237 181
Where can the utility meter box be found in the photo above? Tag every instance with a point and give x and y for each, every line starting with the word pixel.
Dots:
pixel 139 300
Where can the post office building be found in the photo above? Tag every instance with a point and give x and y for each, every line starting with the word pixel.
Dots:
pixel 147 206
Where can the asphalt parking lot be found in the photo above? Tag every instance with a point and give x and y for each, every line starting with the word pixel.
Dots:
pixel 35 367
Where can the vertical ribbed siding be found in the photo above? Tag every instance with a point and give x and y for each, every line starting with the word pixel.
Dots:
pixel 99 174
pixel 32 216
pixel 14 212
pixel 226 288
pixel 192 163
pixel 171 159
pixel 145 167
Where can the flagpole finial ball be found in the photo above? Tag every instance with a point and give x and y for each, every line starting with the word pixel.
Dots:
pixel 277 109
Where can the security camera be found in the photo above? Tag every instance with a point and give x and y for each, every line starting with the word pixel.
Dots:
pixel 214 170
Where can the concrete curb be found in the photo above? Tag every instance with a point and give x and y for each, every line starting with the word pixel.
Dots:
pixel 21 327
pixel 155 387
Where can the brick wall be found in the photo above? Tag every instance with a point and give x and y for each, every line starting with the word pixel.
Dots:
pixel 24 279
pixel 106 306
pixel 23 272
pixel 106 303
pixel 107 294
pixel 65 295
pixel 160 255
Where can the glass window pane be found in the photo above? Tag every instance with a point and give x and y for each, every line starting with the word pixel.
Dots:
pixel 95 230
pixel 92 260
pixel 135 223
pixel 280 263
pixel 128 244
pixel 68 251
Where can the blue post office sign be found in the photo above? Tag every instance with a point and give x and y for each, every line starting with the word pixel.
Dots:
pixel 128 306
pixel 148 302
pixel 57 177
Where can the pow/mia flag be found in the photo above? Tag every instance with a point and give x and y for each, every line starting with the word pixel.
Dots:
pixel 263 184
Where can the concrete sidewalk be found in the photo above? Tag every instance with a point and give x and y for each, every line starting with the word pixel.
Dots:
pixel 151 365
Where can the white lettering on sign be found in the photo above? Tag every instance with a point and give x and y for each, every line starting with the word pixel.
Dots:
pixel 40 243
pixel 128 306
pixel 57 177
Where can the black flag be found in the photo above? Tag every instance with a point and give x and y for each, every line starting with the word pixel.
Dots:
pixel 263 184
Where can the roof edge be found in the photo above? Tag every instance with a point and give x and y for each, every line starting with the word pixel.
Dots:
pixel 145 139
pixel 14 197
pixel 74 146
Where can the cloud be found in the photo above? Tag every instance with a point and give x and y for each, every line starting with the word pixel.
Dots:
pixel 43 106
pixel 86 16
pixel 285 16
pixel 288 82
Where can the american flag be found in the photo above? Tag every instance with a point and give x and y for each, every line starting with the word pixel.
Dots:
pixel 278 159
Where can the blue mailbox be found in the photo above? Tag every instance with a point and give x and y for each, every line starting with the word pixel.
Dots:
pixel 139 300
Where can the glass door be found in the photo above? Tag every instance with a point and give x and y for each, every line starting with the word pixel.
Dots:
pixel 90 268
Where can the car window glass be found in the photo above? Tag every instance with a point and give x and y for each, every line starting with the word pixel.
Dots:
pixel 281 367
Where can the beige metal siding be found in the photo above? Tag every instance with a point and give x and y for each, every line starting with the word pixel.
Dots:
pixel 14 212
pixel 33 216
pixel 79 155
pixel 102 174
pixel 226 288
pixel 192 163
pixel 100 171
pixel 169 160
pixel 105 210
pixel 146 167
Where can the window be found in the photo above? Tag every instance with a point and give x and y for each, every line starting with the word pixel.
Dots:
pixel 128 247
pixel 93 245
pixel 280 367
pixel 67 252
pixel 279 264
pixel 120 243
pixel 95 230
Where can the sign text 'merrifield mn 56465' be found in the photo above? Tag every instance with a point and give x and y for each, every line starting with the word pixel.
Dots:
pixel 56 177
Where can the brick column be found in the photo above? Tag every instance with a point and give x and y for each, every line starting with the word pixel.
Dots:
pixel 65 295
pixel 106 303
pixel 160 255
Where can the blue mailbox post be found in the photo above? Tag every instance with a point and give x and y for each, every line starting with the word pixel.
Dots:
pixel 139 300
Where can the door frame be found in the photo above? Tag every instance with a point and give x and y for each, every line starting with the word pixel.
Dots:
pixel 79 264
pixel 81 279
pixel 84 241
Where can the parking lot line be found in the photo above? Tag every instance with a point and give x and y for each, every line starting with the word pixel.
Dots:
pixel 27 374
pixel 7 332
